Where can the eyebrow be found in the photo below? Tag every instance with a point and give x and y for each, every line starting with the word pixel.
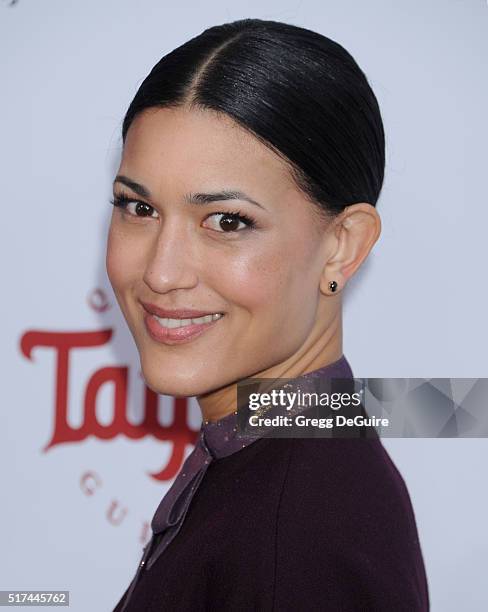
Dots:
pixel 191 198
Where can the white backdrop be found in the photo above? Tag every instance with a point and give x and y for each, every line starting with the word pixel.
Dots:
pixel 75 515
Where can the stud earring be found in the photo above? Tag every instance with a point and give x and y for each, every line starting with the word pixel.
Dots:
pixel 332 286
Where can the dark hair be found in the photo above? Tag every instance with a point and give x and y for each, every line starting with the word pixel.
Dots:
pixel 300 93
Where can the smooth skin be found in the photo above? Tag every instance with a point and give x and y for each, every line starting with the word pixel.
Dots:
pixel 271 281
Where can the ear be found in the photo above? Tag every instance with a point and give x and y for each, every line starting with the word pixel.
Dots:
pixel 351 238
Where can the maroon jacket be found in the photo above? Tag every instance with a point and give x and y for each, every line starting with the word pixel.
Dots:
pixel 287 525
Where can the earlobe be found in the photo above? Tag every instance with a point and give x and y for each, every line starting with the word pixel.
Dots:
pixel 331 287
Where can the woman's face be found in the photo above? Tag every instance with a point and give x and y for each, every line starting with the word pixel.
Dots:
pixel 177 243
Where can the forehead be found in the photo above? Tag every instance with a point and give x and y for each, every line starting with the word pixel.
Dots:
pixel 184 147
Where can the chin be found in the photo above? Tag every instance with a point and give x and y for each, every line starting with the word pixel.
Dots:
pixel 173 388
pixel 167 382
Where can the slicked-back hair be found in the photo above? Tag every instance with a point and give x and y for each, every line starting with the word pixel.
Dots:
pixel 300 93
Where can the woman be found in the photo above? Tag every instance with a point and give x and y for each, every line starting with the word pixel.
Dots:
pixel 245 200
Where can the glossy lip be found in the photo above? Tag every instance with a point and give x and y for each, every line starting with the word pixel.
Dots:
pixel 181 313
pixel 178 335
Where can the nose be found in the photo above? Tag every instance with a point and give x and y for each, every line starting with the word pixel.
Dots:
pixel 171 262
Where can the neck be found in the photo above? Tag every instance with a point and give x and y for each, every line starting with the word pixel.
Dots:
pixel 319 351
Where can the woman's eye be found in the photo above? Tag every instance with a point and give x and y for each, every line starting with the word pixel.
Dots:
pixel 141 209
pixel 231 222
pixel 135 208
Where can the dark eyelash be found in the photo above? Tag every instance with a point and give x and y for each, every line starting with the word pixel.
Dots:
pixel 251 224
pixel 122 201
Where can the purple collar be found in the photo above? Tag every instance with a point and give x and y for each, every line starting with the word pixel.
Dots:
pixel 222 437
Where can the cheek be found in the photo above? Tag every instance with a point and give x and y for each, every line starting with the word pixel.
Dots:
pixel 252 279
pixel 269 282
pixel 115 259
pixel 125 258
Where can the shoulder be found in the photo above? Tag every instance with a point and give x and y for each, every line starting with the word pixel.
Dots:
pixel 349 494
pixel 346 514
pixel 349 474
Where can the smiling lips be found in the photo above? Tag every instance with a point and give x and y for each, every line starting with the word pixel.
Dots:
pixel 177 326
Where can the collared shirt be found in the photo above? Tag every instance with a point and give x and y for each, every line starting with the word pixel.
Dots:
pixel 216 440
pixel 284 524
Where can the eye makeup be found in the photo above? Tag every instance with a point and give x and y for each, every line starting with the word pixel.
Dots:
pixel 144 210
